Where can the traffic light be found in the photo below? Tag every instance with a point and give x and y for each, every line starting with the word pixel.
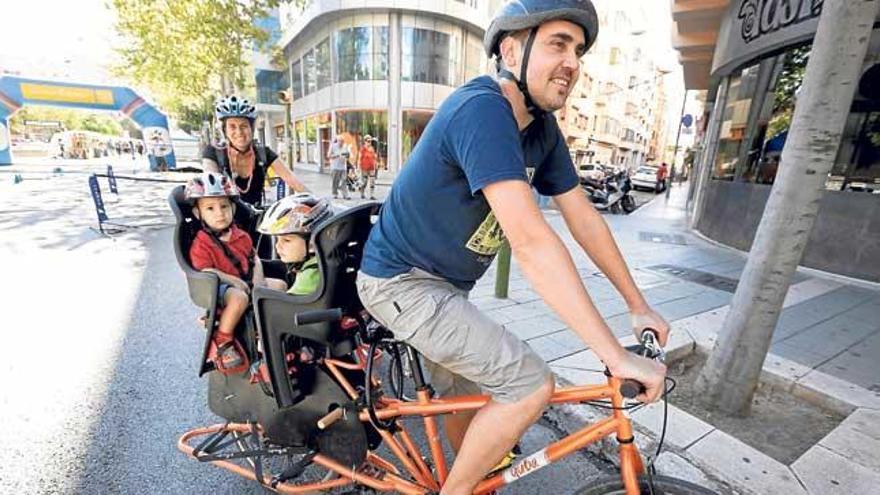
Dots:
pixel 285 96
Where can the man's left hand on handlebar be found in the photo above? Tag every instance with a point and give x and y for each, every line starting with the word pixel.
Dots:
pixel 648 318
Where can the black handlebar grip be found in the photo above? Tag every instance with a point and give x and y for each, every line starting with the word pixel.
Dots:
pixel 317 316
pixel 631 388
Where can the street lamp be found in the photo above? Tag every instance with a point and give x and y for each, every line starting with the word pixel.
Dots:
pixel 286 98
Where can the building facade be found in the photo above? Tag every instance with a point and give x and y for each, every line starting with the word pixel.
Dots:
pixel 751 58
pixel 369 67
pixel 616 114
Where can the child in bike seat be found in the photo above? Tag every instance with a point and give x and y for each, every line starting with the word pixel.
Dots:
pixel 224 249
pixel 291 221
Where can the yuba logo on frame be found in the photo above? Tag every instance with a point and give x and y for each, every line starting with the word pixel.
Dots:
pixel 760 17
pixel 528 465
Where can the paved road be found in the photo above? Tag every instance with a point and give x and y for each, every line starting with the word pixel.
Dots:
pixel 100 351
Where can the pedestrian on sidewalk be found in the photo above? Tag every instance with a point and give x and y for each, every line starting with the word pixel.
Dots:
pixel 367 164
pixel 338 156
pixel 466 189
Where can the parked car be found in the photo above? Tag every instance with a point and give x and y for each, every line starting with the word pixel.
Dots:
pixel 646 178
pixel 590 171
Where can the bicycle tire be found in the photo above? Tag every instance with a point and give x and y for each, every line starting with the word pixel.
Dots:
pixel 662 485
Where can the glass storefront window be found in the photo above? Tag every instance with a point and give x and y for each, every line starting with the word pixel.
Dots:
pixel 414 124
pixel 380 52
pixel 734 119
pixel 430 56
pixel 269 82
pixel 296 71
pixel 353 125
pixel 362 53
pixel 757 116
pixel 300 138
pixel 322 64
pixel 310 72
pixel 473 64
pixel 312 139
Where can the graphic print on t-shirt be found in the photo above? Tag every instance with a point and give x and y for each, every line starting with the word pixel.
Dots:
pixel 487 239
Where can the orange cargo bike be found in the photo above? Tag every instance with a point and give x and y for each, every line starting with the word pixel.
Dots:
pixel 311 415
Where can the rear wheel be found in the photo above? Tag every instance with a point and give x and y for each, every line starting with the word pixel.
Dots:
pixel 661 485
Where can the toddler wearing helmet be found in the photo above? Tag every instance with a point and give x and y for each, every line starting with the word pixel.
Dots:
pixel 292 220
pixel 224 249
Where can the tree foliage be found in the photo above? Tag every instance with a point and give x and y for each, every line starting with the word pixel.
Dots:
pixel 183 49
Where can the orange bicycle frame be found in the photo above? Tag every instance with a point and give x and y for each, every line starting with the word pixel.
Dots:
pixel 422 480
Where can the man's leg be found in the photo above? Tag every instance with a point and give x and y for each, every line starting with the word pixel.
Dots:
pixel 493 432
pixel 436 319
pixel 334 182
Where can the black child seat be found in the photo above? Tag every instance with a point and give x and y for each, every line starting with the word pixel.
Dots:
pixel 283 323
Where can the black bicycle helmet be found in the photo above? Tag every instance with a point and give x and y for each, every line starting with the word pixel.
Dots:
pixel 517 15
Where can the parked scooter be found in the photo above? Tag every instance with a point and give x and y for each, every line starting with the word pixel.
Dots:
pixel 611 193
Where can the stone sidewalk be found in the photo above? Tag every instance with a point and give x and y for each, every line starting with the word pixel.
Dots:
pixel 824 350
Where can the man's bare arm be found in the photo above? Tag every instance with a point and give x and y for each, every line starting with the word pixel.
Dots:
pixel 548 266
pixel 592 233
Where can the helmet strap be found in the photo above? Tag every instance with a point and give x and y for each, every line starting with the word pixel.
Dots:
pixel 521 81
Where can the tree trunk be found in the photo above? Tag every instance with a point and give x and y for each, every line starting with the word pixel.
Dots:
pixel 728 381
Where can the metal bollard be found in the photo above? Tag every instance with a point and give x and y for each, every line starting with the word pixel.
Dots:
pixel 502 275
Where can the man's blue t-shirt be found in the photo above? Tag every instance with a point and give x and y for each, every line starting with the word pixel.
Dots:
pixel 436 217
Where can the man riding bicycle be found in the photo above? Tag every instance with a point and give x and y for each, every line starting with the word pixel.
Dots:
pixel 467 187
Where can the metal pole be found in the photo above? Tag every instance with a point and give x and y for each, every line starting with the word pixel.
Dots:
pixel 288 136
pixel 677 137
pixel 502 276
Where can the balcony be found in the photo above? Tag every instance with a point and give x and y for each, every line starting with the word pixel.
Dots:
pixel 694 36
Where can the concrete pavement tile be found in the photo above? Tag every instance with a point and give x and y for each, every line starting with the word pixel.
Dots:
pixel 831 337
pixel 858 364
pixel 680 308
pixel 702 327
pixel 825 472
pixel 682 429
pixel 834 393
pixel 808 289
pixel 798 354
pixel 679 345
pixel 611 307
pixel 548 348
pixel 676 466
pixel 500 316
pixel 857 439
pixel 530 328
pixel 569 341
pixel 488 303
pixel 744 465
pixel 521 311
pixel 582 368
pixel 523 295
pixel 782 372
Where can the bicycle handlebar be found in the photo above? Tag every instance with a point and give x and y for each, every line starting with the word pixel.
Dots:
pixel 630 388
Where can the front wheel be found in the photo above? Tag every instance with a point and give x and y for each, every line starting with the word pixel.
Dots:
pixel 628 203
pixel 661 485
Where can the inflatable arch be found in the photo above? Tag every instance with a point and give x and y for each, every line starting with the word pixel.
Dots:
pixel 16 92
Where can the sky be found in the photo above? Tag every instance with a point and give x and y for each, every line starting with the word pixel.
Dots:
pixel 58 39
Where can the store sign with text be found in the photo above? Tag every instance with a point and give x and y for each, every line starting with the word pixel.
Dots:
pixel 761 17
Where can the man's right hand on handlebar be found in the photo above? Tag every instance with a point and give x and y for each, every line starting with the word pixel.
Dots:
pixel 648 372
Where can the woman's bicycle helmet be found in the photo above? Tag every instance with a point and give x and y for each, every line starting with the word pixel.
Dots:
pixel 296 214
pixel 209 185
pixel 233 106
pixel 517 15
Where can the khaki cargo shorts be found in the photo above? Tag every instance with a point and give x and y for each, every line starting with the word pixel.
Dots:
pixel 463 349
